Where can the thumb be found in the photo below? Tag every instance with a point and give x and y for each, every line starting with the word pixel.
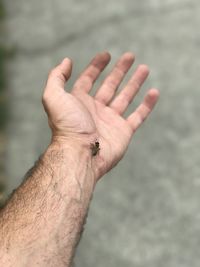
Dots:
pixel 59 75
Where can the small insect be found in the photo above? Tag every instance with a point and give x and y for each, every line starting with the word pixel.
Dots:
pixel 95 148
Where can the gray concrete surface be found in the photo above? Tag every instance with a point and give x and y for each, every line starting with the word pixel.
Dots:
pixel 146 212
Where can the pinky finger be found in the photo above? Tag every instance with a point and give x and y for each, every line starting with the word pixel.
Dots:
pixel 144 109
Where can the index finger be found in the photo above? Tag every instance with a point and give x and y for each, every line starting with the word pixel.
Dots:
pixel 92 72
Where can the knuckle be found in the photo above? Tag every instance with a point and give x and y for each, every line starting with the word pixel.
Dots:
pixel 136 84
pixel 84 81
pixel 126 97
pixel 111 83
pixel 120 71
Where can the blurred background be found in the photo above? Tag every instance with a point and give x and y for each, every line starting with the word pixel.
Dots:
pixel 146 211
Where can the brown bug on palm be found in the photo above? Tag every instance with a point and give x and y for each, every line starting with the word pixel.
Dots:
pixel 95 148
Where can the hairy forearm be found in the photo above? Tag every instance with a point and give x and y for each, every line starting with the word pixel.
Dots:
pixel 43 220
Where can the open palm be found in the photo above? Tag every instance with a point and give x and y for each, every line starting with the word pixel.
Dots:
pixel 79 116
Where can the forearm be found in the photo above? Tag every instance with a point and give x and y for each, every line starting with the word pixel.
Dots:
pixel 43 220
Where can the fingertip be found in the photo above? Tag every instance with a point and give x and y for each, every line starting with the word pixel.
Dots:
pixel 106 54
pixel 154 93
pixel 151 98
pixel 129 56
pixel 66 61
pixel 101 60
pixel 66 67
pixel 144 68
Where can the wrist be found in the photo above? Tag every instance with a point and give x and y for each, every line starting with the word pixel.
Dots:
pixel 82 146
pixel 75 153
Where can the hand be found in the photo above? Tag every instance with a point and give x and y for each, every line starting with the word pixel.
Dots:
pixel 80 117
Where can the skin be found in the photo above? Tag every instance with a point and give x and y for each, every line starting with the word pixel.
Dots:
pixel 42 222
